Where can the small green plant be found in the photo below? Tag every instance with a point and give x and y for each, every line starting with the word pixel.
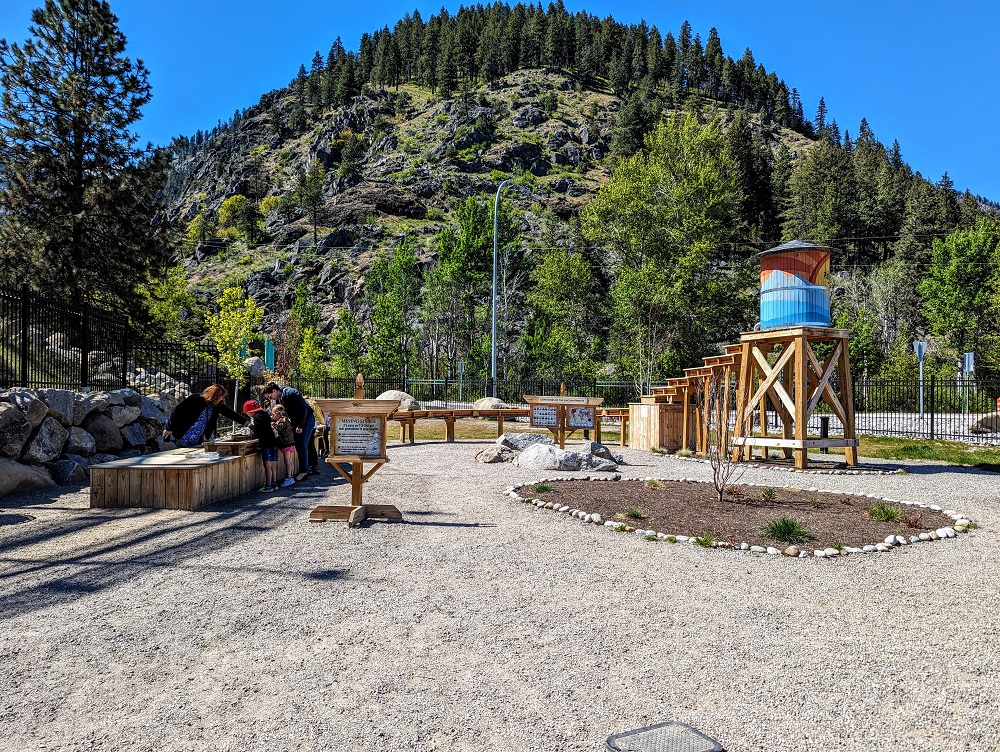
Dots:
pixel 705 541
pixel 838 545
pixel 442 118
pixel 787 530
pixel 814 502
pixel 620 528
pixel 542 488
pixel 659 450
pixel 768 494
pixel 435 214
pixel 685 452
pixel 634 513
pixel 654 484
pixel 671 539
pixel 652 537
pixel 885 513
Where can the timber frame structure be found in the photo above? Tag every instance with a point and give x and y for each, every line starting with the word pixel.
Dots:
pixel 795 384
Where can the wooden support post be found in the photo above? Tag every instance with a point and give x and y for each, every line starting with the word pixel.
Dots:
pixel 499 425
pixel 847 401
pixel 801 378
pixel 449 429
pixel 786 418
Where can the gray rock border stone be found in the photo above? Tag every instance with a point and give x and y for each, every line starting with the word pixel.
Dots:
pixel 962 523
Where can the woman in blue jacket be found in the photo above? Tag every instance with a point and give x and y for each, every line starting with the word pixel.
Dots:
pixel 197 415
pixel 300 413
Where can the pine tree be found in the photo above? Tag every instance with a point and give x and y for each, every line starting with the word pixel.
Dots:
pixel 77 196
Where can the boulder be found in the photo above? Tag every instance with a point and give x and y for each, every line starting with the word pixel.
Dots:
pixel 598 464
pixel 107 437
pixel 489 403
pixel 151 410
pixel 33 408
pixel 406 401
pixel 987 424
pixel 67 471
pixel 133 436
pixel 18 478
pixel 85 404
pixel 80 442
pixel 47 443
pixel 124 414
pixel 14 430
pixel 521 441
pixel 548 457
pixel 127 396
pixel 599 450
pixel 256 367
pixel 60 403
pixel 495 453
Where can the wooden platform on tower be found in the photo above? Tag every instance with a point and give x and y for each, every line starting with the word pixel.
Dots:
pixel 782 366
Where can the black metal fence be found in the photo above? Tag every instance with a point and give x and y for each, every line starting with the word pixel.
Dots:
pixel 50 344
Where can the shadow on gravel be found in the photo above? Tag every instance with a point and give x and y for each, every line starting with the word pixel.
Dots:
pixel 14 519
pixel 444 524
pixel 327 575
pixel 935 469
pixel 34 581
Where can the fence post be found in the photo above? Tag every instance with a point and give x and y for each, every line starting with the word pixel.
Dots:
pixel 126 355
pixel 933 406
pixel 25 311
pixel 85 348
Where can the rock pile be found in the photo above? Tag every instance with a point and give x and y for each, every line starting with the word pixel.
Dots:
pixel 51 436
pixel 535 451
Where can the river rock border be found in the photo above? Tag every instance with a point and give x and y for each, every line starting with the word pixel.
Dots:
pixel 961 522
pixel 814 471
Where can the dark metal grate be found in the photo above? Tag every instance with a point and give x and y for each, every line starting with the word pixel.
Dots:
pixel 663 737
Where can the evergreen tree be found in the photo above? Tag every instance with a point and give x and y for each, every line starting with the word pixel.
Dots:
pixel 77 196
pixel 309 195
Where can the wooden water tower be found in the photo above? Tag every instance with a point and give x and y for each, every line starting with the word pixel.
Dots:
pixel 779 362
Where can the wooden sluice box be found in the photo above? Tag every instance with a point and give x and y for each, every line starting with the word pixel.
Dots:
pixel 178 479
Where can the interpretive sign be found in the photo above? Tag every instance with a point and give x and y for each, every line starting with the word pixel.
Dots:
pixel 563 415
pixel 544 416
pixel 580 417
pixel 358 436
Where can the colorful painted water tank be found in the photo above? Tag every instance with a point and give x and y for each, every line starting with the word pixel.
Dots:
pixel 794 285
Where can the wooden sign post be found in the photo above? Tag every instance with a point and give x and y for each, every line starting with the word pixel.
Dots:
pixel 357 436
pixel 563 415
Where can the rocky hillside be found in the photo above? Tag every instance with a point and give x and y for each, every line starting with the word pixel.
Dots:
pixel 396 162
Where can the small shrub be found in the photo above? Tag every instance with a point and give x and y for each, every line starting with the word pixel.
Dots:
pixel 659 450
pixel 787 530
pixel 496 176
pixel 442 118
pixel 814 502
pixel 435 214
pixel 914 521
pixel 885 513
pixel 838 545
pixel 634 513
pixel 734 491
pixel 705 541
pixel 685 452
pixel 620 528
pixel 542 488
pixel 768 494
pixel 652 537
pixel 654 484
pixel 671 539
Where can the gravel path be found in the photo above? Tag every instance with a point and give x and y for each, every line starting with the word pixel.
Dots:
pixel 484 624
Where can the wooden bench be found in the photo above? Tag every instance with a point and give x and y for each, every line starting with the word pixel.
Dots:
pixel 407 419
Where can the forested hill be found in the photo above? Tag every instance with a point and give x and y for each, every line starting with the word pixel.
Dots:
pixel 355 205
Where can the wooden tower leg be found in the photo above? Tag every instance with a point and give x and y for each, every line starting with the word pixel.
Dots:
pixel 800 399
pixel 786 418
pixel 847 400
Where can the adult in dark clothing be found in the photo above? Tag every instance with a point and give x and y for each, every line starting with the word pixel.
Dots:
pixel 300 413
pixel 197 415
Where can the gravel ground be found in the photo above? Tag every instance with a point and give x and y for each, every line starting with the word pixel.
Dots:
pixel 485 624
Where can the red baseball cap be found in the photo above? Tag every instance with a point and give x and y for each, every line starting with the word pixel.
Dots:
pixel 250 407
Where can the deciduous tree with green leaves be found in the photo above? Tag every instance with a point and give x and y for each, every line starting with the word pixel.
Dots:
pixel 232 327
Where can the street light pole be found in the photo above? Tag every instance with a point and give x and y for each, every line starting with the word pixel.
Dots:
pixel 493 338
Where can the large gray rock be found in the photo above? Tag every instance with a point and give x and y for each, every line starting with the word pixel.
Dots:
pixel 151 411
pixel 127 396
pixel 406 401
pixel 18 478
pixel 67 471
pixel 598 464
pixel 489 403
pixel 33 408
pixel 521 441
pixel 548 457
pixel 14 430
pixel 47 443
pixel 107 436
pixel 80 442
pixel 124 414
pixel 599 450
pixel 133 436
pixel 60 403
pixel 495 453
pixel 987 424
pixel 256 367
pixel 85 404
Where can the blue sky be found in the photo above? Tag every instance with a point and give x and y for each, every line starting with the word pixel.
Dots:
pixel 922 72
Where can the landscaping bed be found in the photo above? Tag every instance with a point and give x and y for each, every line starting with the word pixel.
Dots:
pixel 692 509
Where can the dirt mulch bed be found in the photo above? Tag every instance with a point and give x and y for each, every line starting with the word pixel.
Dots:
pixel 693 509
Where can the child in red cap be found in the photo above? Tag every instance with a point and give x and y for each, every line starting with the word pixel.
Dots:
pixel 267 440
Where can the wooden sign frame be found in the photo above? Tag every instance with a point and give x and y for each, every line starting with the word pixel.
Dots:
pixel 365 410
pixel 562 429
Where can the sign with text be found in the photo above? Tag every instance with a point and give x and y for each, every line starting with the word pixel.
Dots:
pixel 359 436
pixel 563 415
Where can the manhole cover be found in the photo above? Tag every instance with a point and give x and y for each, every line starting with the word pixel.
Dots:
pixel 663 737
